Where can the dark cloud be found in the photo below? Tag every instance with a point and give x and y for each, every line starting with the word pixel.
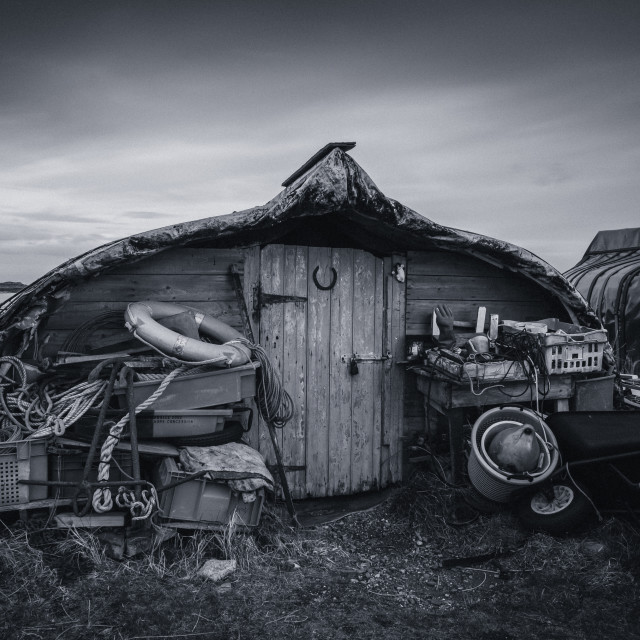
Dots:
pixel 483 115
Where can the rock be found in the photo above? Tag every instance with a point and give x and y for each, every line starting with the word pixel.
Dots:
pixel 217 570
pixel 593 547
pixel 225 587
pixel 113 544
pixel 290 565
pixel 162 534
pixel 137 542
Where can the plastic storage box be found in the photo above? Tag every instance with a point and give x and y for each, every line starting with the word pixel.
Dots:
pixel 162 424
pixel 194 391
pixel 69 467
pixel 202 500
pixel 594 394
pixel 182 422
pixel 570 348
pixel 22 460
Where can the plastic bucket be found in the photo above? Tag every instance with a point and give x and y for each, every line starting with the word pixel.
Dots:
pixel 488 479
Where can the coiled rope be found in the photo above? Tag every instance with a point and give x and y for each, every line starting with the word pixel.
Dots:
pixel 102 500
pixel 37 411
pixel 274 403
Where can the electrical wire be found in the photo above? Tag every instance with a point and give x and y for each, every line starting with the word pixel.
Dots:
pixel 524 348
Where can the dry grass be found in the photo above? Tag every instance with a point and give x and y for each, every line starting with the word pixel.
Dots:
pixel 372 574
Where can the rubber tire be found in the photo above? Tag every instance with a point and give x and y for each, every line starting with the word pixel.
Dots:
pixel 558 522
pixel 232 432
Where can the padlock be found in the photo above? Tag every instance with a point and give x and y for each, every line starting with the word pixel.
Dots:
pixel 353 366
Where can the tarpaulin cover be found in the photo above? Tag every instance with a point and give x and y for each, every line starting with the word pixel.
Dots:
pixel 240 466
pixel 608 276
pixel 336 189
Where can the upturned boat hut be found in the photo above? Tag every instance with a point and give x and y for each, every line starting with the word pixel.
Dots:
pixel 332 273
pixel 608 276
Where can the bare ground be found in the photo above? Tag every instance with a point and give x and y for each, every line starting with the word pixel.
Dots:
pixel 401 570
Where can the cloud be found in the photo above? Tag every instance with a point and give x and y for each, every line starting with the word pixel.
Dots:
pixel 516 120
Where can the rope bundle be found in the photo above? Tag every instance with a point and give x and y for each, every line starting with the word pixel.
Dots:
pixel 102 500
pixel 274 403
pixel 36 410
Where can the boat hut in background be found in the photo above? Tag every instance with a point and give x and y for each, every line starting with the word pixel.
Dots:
pixel 331 270
pixel 608 276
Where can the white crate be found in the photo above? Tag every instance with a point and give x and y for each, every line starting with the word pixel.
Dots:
pixel 572 348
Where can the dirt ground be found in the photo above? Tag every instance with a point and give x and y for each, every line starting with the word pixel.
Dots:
pixel 400 570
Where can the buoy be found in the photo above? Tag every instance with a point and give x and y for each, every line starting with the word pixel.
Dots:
pixel 516 449
pixel 141 318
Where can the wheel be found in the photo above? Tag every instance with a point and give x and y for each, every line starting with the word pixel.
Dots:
pixel 232 432
pixel 558 509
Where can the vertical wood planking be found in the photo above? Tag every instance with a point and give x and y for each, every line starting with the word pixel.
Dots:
pixel 393 383
pixel 377 390
pixel 318 366
pixel 295 364
pixel 251 280
pixel 340 379
pixel 387 404
pixel 398 317
pixel 272 326
pixel 362 384
pixel 398 323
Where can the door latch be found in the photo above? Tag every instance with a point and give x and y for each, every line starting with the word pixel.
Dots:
pixel 365 357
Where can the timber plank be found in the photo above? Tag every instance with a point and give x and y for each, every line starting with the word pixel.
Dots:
pixel 387 404
pixel 318 368
pixel 378 371
pixel 419 311
pixel 272 328
pixel 398 319
pixel 251 279
pixel 436 263
pixel 443 396
pixel 340 379
pixel 362 384
pixel 185 260
pixel 172 288
pixel 74 313
pixel 295 364
pixel 452 287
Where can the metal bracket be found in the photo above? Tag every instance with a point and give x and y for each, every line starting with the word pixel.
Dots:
pixel 365 357
pixel 261 299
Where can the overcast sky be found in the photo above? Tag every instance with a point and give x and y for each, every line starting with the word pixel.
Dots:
pixel 516 119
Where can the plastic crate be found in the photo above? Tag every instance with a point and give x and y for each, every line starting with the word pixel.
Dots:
pixel 203 500
pixel 182 422
pixel 580 352
pixel 69 467
pixel 163 424
pixel 22 460
pixel 570 348
pixel 194 391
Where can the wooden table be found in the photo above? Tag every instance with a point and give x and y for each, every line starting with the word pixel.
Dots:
pixel 451 399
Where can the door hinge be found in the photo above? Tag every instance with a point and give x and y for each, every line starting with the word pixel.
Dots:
pixel 261 299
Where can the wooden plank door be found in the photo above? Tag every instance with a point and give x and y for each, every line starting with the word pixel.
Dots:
pixel 337 442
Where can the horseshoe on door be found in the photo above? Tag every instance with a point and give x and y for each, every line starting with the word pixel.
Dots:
pixel 334 279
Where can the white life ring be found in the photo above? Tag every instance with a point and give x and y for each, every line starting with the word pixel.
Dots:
pixel 141 319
